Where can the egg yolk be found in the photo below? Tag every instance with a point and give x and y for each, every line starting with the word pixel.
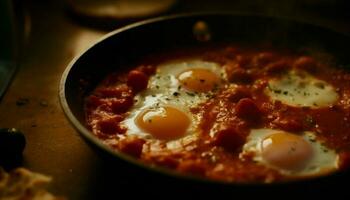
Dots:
pixel 165 123
pixel 286 151
pixel 198 80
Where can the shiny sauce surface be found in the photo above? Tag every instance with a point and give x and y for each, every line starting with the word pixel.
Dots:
pixel 236 105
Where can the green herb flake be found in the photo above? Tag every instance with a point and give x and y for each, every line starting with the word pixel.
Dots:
pixel 190 94
pixel 277 91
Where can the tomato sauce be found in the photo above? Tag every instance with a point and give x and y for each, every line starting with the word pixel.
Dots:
pixel 231 113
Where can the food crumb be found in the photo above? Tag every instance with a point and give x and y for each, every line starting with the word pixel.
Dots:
pixel 43 103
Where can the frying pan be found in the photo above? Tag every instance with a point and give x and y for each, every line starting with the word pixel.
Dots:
pixel 125 46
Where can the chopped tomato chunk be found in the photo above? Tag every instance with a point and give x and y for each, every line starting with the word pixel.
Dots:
pixel 147 69
pixel 229 138
pixel 114 92
pixel 239 75
pixel 93 101
pixel 238 94
pixel 167 162
pixel 264 58
pixel 121 105
pixel 344 160
pixel 306 63
pixel 243 61
pixel 195 167
pixel 289 124
pixel 277 67
pixel 132 146
pixel 111 125
pixel 247 109
pixel 137 80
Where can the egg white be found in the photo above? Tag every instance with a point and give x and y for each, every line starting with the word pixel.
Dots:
pixel 300 89
pixel 324 160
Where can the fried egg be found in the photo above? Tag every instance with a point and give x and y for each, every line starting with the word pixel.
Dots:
pixel 290 154
pixel 162 111
pixel 300 89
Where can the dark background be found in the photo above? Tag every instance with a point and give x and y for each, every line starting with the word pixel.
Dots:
pixel 50 34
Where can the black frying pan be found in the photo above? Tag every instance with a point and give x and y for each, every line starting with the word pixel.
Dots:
pixel 126 45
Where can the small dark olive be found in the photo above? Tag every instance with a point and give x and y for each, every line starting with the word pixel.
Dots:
pixel 12 142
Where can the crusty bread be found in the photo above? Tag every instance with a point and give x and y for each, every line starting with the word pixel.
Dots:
pixel 21 184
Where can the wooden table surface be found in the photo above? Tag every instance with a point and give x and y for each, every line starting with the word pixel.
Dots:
pixel 53 146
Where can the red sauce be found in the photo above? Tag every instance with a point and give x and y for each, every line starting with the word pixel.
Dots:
pixel 233 110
